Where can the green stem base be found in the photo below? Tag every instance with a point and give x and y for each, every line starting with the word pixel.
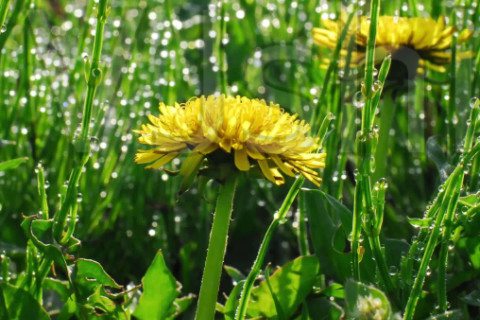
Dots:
pixel 216 251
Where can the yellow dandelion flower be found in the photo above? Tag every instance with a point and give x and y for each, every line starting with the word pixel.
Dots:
pixel 429 39
pixel 245 129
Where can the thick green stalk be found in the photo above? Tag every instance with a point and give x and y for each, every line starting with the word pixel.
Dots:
pixel 370 60
pixel 93 79
pixel 356 229
pixel 217 245
pixel 364 210
pixel 364 144
pixel 258 263
pixel 302 234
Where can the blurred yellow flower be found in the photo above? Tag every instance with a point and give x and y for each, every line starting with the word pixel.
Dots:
pixel 248 128
pixel 430 39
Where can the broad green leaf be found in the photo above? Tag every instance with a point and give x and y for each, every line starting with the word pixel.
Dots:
pixel 159 291
pixel 471 200
pixel 180 305
pixel 363 302
pixel 330 224
pixel 40 232
pixel 17 303
pixel 420 222
pixel 291 284
pixel 90 269
pixel 278 306
pixel 68 310
pixel 62 288
pixel 89 276
pixel 232 301
pixel 234 273
pixel 335 290
pixel 12 164
pixel 100 302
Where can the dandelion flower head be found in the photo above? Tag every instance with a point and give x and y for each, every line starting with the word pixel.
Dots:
pixel 429 39
pixel 243 129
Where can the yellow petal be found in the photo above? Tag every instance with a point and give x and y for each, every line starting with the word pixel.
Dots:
pixel 205 148
pixel 279 179
pixel 163 160
pixel 145 156
pixel 283 166
pixel 253 153
pixel 241 160
pixel 267 172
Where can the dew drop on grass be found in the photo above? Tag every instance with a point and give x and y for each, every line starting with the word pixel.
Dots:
pixel 3 29
pixel 358 101
pixel 473 102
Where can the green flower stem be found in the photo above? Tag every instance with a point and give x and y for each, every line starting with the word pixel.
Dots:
pixel 364 143
pixel 364 209
pixel 216 251
pixel 279 218
pixel 302 233
pixel 93 79
pixel 443 257
pixel 356 230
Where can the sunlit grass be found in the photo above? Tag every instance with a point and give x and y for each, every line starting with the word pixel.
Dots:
pixel 391 232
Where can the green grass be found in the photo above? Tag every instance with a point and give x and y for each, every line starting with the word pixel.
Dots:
pixel 394 224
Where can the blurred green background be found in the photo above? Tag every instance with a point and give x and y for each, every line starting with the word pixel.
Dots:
pixel 163 51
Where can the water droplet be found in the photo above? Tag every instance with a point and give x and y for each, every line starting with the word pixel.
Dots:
pixel 473 102
pixel 358 101
pixel 377 85
pixel 3 29
pixel 392 270
pixel 94 147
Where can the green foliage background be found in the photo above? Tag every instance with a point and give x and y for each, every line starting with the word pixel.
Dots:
pixel 166 51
